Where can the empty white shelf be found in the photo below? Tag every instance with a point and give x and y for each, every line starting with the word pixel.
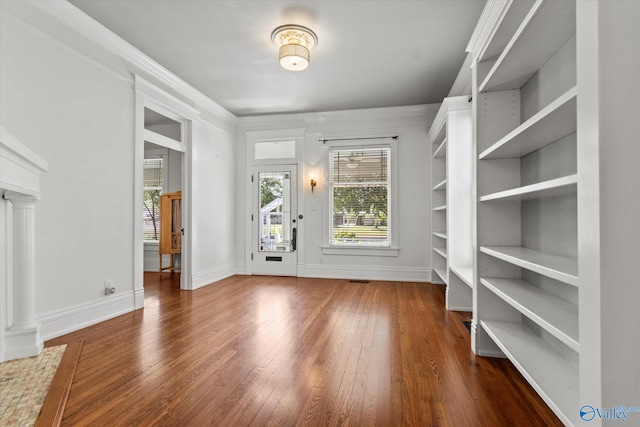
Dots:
pixel 440 234
pixel 440 272
pixel 552 188
pixel 553 376
pixel 439 136
pixel 557 316
pixel 509 23
pixel 441 150
pixel 557 267
pixel 440 208
pixel 547 26
pixel 442 185
pixel 464 273
pixel 440 251
pixel 553 122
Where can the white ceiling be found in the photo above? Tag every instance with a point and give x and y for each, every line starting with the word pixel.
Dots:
pixel 369 54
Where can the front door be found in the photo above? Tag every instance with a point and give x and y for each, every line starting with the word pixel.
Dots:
pixel 275 220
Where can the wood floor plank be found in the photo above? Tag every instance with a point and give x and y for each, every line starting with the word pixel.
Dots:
pixel 291 351
pixel 54 403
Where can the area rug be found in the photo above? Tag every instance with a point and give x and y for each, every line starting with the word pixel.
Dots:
pixel 24 384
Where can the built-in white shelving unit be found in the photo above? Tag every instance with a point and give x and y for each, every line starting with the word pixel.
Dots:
pixel 555 263
pixel 526 304
pixel 451 201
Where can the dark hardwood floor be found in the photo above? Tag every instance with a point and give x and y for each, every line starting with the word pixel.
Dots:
pixel 292 351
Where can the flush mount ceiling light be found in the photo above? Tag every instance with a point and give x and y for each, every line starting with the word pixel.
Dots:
pixel 294 42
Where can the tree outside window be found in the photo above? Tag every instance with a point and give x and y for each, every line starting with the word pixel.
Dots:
pixel 153 188
pixel 359 202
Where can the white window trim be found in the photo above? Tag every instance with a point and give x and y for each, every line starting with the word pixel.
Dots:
pixel 362 250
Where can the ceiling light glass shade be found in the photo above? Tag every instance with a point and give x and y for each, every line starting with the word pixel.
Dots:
pixel 294 57
pixel 294 42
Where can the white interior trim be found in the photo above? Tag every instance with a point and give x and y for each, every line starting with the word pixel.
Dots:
pixel 20 172
pixel 77 20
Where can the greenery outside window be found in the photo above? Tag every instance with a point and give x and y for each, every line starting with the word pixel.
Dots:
pixel 153 189
pixel 359 197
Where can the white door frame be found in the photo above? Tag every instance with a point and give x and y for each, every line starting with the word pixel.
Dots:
pixel 151 97
pixel 251 138
pixel 282 263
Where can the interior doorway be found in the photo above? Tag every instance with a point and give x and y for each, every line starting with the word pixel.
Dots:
pixel 162 214
pixel 164 136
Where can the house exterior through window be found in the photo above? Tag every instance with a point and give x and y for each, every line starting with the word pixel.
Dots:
pixel 153 189
pixel 359 198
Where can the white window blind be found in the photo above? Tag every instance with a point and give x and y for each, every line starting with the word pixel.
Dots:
pixel 359 197
pixel 153 186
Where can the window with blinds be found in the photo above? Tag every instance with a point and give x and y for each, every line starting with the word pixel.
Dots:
pixel 359 197
pixel 153 186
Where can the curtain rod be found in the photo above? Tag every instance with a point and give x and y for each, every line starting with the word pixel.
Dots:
pixel 324 141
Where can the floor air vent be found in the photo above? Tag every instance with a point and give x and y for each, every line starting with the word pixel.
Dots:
pixel 467 325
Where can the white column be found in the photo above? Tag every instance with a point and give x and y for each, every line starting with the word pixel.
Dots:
pixel 23 334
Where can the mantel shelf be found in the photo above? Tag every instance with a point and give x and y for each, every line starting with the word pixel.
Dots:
pixel 557 267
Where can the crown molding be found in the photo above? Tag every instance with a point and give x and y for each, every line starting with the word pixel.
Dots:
pixel 424 113
pixel 455 103
pixel 462 84
pixel 487 25
pixel 74 18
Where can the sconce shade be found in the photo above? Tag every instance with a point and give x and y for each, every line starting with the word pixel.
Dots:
pixel 294 42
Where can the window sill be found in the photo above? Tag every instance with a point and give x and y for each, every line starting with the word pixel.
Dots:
pixel 360 251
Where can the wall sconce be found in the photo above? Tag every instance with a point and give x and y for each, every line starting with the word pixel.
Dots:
pixel 313 182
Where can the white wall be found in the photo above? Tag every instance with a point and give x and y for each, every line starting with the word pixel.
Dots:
pixel 412 124
pixel 213 198
pixel 80 119
pixel 73 102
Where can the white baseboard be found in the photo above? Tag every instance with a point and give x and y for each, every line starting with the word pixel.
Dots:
pixel 397 274
pixel 240 268
pixel 22 343
pixel 207 277
pixel 71 319
pixel 138 298
pixel 459 308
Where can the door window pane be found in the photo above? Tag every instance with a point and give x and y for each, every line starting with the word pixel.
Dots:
pixel 275 211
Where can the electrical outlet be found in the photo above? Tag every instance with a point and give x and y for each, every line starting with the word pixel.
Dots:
pixel 108 287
